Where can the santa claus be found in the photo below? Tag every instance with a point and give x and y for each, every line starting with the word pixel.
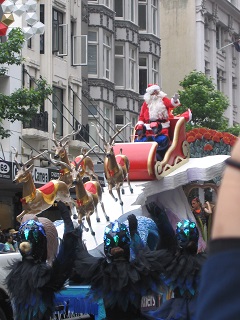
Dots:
pixel 157 106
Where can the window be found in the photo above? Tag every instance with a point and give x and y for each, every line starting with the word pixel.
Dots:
pixel 119 119
pixel 142 15
pixel 143 75
pixel 154 17
pixel 107 55
pixel 119 66
pixel 155 71
pixel 74 104
pixel 57 109
pixel 219 37
pixel 119 8
pixel 207 67
pixel 29 42
pixel 132 68
pixel 108 119
pixel 220 78
pixel 78 47
pixel 132 10
pixel 206 30
pixel 93 110
pixel 92 52
pixel 42 38
pixel 59 36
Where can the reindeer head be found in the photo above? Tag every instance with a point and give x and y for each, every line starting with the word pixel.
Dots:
pixel 24 169
pixel 60 150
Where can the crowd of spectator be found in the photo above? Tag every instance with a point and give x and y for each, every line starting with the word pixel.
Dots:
pixel 8 240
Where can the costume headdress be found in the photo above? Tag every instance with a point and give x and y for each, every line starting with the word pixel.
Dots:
pixel 38 238
pixel 117 236
pixel 186 232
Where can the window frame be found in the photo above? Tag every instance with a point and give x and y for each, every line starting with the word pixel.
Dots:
pixel 107 49
pixel 94 44
pixel 119 56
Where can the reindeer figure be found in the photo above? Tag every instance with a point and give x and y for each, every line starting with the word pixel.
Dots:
pixel 87 166
pixel 116 168
pixel 61 154
pixel 34 200
pixel 88 195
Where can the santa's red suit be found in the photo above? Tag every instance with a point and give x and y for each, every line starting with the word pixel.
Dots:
pixel 157 107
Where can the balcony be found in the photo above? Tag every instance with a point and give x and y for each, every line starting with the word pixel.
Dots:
pixel 37 128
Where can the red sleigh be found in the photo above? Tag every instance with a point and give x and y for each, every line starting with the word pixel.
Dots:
pixel 142 155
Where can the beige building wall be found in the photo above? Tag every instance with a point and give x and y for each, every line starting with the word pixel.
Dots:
pixel 178 43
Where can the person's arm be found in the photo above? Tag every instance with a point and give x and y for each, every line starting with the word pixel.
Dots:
pixel 141 118
pixel 220 282
pixel 226 223
pixel 207 208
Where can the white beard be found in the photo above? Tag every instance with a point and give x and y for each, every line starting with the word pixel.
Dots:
pixel 157 109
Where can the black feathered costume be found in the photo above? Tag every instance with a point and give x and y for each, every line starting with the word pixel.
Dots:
pixel 128 271
pixel 182 275
pixel 33 281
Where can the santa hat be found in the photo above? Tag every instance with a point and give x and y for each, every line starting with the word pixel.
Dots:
pixel 152 87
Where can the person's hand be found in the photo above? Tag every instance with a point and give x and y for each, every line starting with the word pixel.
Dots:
pixel 176 97
pixel 66 216
pixel 207 207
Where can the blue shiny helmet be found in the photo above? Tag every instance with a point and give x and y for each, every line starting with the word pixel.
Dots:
pixel 186 232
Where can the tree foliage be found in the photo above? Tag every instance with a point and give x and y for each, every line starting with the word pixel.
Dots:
pixel 205 101
pixel 22 104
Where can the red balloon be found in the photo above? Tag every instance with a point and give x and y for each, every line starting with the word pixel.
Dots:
pixel 3 29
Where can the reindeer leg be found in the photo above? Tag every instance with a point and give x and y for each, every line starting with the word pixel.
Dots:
pixel 111 193
pixel 128 181
pixel 90 225
pixel 80 218
pixel 119 195
pixel 104 212
pixel 97 216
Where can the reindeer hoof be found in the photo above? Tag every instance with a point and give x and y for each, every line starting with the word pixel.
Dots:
pixel 116 199
pixel 107 218
pixel 98 219
pixel 123 191
pixel 93 233
pixel 87 229
pixel 131 190
pixel 121 203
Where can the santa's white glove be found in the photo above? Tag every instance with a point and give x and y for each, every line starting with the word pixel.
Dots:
pixel 175 100
pixel 176 97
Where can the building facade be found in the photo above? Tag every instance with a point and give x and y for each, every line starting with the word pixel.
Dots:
pixel 99 57
pixel 199 36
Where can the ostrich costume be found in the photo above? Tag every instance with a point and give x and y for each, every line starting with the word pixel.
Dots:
pixel 33 281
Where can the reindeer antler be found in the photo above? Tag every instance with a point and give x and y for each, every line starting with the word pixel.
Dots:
pixel 54 132
pixel 117 133
pixel 31 160
pixel 99 133
pixel 59 142
pixel 15 158
pixel 71 134
pixel 59 162
pixel 84 156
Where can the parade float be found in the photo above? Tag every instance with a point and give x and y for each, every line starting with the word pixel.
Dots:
pixel 194 160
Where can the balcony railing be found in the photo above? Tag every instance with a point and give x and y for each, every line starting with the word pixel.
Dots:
pixel 39 122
